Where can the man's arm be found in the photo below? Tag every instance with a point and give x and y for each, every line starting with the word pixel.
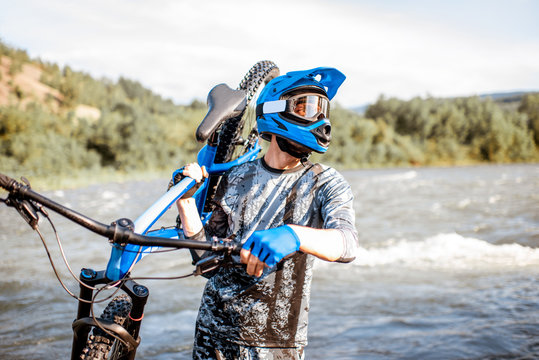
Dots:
pixel 337 241
pixel 189 216
pixel 192 226
pixel 187 208
pixel 326 244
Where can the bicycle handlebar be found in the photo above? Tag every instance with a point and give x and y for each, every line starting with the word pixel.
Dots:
pixel 116 232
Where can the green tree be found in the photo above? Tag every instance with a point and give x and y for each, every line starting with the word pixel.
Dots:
pixel 530 107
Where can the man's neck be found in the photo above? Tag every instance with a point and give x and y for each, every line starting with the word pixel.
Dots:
pixel 278 159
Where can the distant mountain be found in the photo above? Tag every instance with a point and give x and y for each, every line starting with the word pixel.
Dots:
pixel 508 101
pixel 504 94
pixel 506 97
pixel 512 98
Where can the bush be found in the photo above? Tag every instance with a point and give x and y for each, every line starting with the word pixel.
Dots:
pixel 139 130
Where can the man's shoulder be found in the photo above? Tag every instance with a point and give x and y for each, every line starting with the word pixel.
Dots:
pixel 326 172
pixel 328 177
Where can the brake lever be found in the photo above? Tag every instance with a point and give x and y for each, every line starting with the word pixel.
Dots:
pixel 208 264
pixel 212 262
pixel 26 209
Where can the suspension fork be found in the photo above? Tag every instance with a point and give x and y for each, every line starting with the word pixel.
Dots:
pixel 84 322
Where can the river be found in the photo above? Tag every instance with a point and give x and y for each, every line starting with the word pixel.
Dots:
pixel 448 268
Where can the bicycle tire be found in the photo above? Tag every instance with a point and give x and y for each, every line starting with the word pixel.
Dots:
pixel 239 133
pixel 99 344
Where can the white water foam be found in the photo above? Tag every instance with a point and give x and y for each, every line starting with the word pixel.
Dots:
pixel 448 251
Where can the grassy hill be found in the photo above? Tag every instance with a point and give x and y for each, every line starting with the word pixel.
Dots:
pixel 62 124
pixel 58 124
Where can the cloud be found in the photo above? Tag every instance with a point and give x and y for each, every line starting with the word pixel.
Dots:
pixel 181 49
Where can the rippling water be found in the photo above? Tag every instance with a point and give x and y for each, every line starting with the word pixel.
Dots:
pixel 448 269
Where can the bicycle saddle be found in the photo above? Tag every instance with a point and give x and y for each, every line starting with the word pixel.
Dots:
pixel 223 103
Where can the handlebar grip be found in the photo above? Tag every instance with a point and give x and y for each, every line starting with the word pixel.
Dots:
pixel 6 182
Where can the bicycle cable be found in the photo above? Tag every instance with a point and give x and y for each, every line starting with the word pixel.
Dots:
pixel 62 252
pixel 97 290
pixel 96 320
pixel 56 273
pixel 70 293
pixel 154 251
pixel 164 277
pixel 109 285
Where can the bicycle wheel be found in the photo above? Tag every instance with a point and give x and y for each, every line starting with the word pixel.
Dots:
pixel 101 346
pixel 239 134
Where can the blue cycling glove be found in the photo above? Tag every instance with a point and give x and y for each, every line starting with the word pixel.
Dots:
pixel 271 246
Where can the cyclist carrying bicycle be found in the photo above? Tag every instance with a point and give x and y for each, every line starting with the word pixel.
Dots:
pixel 286 211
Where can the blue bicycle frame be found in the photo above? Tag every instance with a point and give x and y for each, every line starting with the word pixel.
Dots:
pixel 123 258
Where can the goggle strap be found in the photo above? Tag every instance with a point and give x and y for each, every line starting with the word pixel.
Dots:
pixel 270 107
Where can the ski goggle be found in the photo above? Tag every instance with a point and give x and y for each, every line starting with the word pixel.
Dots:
pixel 305 108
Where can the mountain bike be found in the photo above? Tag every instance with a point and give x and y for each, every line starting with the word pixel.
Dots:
pixel 229 130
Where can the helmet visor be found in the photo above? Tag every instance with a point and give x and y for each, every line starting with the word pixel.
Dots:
pixel 308 107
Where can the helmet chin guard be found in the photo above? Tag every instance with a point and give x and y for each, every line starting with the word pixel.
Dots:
pixel 292 149
pixel 295 107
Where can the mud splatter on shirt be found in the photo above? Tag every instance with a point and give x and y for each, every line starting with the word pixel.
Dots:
pixel 271 311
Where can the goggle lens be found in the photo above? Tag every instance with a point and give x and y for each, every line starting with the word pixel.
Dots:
pixel 310 107
pixel 303 108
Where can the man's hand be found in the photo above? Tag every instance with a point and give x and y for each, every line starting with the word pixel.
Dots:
pixel 192 170
pixel 187 209
pixel 268 247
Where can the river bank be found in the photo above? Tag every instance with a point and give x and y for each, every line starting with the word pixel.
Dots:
pixel 83 178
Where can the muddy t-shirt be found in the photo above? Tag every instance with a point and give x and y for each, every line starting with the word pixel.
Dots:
pixel 271 311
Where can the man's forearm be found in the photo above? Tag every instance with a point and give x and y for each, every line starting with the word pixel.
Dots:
pixel 326 244
pixel 189 216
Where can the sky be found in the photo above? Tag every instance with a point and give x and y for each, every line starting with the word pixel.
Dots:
pixel 180 49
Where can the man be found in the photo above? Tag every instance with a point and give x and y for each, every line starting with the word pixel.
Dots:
pixel 285 211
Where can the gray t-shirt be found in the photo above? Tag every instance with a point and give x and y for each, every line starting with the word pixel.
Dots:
pixel 271 311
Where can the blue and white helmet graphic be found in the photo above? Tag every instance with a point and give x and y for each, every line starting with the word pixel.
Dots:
pixel 295 106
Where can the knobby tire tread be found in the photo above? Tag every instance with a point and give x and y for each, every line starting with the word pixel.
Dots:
pixel 99 343
pixel 261 72
pixel 227 149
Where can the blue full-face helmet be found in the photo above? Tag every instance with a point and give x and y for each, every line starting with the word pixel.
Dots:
pixel 295 106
